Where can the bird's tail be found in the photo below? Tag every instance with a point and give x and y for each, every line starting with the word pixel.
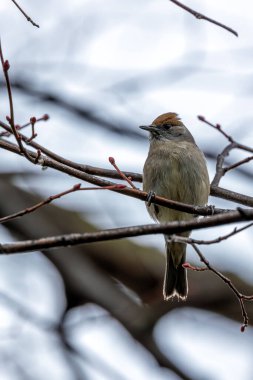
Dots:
pixel 175 279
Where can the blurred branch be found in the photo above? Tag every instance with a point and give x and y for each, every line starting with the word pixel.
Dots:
pixel 119 233
pixel 89 274
pixel 83 112
pixel 27 314
pixel 85 168
pixel 87 279
pixel 200 16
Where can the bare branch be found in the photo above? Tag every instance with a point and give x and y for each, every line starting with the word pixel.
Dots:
pixel 241 297
pixel 229 195
pixel 200 16
pixel 6 67
pixel 50 199
pixel 239 163
pixel 123 176
pixel 217 127
pixel 183 239
pixel 26 16
pixel 119 233
pixel 7 134
pixel 215 190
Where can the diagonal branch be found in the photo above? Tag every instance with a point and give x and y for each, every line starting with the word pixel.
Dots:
pixel 241 297
pixel 26 16
pixel 119 233
pixel 50 199
pixel 200 16
pixel 188 240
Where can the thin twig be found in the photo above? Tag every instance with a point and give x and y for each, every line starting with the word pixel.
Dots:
pixel 217 127
pixel 215 189
pixel 194 267
pixel 219 165
pixel 123 176
pixel 239 163
pixel 6 67
pixel 33 121
pixel 241 297
pixel 50 199
pixel 183 239
pixel 26 16
pixel 200 16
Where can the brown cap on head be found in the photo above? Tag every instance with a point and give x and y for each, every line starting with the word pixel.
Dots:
pixel 169 118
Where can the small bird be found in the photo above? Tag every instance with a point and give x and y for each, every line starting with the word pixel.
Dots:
pixel 174 169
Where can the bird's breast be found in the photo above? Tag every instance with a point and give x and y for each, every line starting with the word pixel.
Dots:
pixel 177 171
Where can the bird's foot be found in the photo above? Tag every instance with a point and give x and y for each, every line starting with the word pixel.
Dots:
pixel 150 197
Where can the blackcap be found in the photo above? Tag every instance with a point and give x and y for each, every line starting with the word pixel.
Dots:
pixel 174 169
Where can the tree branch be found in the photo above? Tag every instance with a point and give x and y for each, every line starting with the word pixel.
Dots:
pixel 200 16
pixel 26 16
pixel 50 199
pixel 241 297
pixel 119 233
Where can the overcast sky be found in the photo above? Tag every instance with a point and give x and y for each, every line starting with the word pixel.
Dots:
pixel 129 62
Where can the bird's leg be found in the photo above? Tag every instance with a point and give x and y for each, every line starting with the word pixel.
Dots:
pixel 150 198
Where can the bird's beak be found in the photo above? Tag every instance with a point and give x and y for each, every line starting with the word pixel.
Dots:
pixel 149 128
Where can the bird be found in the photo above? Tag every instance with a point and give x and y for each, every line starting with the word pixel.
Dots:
pixel 175 169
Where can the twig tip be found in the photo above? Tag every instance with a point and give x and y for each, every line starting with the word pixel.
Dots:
pixel 111 160
pixel 45 117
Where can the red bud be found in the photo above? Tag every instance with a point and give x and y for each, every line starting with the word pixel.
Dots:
pixel 45 117
pixel 201 118
pixel 6 65
pixel 33 120
pixel 111 160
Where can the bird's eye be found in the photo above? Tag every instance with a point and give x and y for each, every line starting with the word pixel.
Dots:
pixel 167 125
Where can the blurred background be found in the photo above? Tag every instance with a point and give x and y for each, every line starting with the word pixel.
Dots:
pixel 101 69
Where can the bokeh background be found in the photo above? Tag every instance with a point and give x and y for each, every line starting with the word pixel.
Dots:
pixel 101 69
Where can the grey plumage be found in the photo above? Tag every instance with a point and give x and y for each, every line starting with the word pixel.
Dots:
pixel 175 169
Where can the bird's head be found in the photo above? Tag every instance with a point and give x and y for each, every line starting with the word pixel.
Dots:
pixel 168 126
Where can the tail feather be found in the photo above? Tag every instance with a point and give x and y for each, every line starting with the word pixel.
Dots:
pixel 175 279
